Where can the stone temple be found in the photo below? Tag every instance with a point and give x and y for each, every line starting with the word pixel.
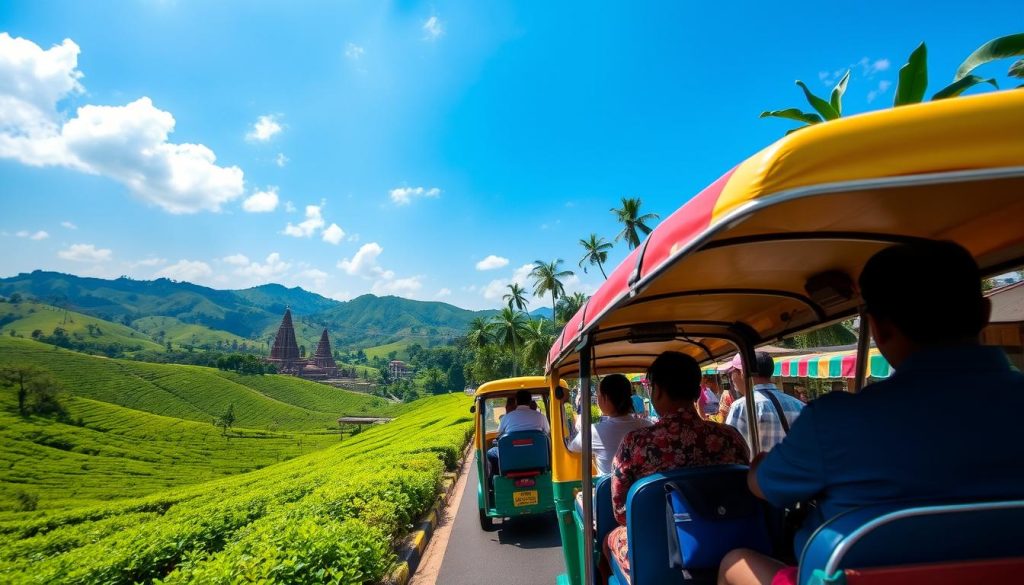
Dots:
pixel 284 354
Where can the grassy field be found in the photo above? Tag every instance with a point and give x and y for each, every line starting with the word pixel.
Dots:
pixel 384 350
pixel 179 333
pixel 192 392
pixel 25 317
pixel 330 516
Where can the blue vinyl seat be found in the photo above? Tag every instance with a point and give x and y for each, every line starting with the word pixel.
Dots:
pixel 524 451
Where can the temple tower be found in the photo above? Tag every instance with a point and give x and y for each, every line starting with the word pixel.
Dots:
pixel 324 358
pixel 285 353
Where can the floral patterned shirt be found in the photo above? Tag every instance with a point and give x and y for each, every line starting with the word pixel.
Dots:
pixel 680 439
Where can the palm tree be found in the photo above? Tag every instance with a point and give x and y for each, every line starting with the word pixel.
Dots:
pixel 538 340
pixel 507 328
pixel 631 220
pixel 479 333
pixel 596 253
pixel 516 296
pixel 547 279
pixel 570 305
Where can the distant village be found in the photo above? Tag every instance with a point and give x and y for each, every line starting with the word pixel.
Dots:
pixel 321 367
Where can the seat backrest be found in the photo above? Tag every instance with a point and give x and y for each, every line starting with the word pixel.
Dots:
pixel 524 451
pixel 604 516
pixel 899 535
pixel 646 529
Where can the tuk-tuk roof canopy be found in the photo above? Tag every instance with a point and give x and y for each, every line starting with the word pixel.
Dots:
pixel 745 257
pixel 511 384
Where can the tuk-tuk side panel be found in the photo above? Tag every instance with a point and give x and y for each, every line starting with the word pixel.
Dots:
pixel 565 505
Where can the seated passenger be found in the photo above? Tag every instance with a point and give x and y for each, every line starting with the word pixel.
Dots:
pixel 680 438
pixel 769 426
pixel 707 404
pixel 613 398
pixel 849 450
pixel 523 418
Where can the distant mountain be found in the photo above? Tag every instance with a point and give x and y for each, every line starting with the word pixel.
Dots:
pixel 545 312
pixel 253 313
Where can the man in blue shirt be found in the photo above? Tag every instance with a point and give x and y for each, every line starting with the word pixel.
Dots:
pixel 909 437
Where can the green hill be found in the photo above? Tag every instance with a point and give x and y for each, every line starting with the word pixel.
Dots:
pixel 383 351
pixel 164 329
pixel 192 392
pixel 26 317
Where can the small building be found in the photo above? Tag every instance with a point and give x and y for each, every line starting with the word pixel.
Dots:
pixel 398 369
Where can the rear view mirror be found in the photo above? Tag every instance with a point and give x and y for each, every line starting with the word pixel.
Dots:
pixel 472 408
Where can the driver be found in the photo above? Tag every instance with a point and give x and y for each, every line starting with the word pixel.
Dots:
pixel 522 418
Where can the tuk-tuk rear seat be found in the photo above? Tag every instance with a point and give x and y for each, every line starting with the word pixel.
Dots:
pixel 523 451
pixel 974 542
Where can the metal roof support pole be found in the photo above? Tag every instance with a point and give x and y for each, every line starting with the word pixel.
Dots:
pixel 863 350
pixel 747 354
pixel 586 483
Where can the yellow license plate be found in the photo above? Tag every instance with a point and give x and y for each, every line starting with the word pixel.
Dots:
pixel 526 498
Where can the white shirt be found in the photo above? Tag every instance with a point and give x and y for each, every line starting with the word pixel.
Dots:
pixel 769 427
pixel 606 437
pixel 523 418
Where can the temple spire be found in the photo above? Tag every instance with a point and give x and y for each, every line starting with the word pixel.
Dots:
pixel 286 348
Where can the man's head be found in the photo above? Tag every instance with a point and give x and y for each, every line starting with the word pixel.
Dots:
pixel 764 367
pixel 523 398
pixel 924 294
pixel 675 381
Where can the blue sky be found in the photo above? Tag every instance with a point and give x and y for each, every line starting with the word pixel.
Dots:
pixel 394 147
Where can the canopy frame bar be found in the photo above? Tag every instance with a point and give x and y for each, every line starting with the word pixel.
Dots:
pixel 819 312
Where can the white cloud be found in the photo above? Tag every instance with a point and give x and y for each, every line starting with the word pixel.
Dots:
pixel 404 195
pixel 264 128
pixel 883 86
pixel 289 207
pixel 866 66
pixel 237 259
pixel 281 160
pixel 314 221
pixel 400 287
pixel 39 235
pixel 187 270
pixel 354 52
pixel 261 201
pixel 499 286
pixel 364 262
pixel 149 262
pixel 444 292
pixel 85 253
pixel 333 234
pixel 270 269
pixel 125 143
pixel 492 262
pixel 68 225
pixel 432 28
pixel 870 67
pixel 314 275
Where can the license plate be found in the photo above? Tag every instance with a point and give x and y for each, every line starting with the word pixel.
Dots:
pixel 525 498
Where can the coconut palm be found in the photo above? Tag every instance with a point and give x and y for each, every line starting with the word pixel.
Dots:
pixel 507 329
pixel 516 297
pixel 596 253
pixel 479 333
pixel 632 222
pixel 547 278
pixel 538 338
pixel 570 305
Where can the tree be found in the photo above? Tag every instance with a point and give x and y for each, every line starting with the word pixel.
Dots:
pixel 38 392
pixel 570 305
pixel 434 381
pixel 456 377
pixel 596 249
pixel 507 329
pixel 547 278
pixel 226 420
pixel 537 340
pixel 15 298
pixel 516 297
pixel 479 333
pixel 632 221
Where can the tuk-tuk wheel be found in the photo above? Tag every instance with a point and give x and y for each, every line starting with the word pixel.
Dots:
pixel 486 522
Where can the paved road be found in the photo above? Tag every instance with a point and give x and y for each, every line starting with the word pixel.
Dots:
pixel 523 551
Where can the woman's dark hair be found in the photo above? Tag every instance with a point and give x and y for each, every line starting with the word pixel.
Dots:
pixel 523 398
pixel 930 290
pixel 676 373
pixel 619 392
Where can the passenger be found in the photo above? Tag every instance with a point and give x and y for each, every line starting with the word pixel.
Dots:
pixel 848 450
pixel 523 418
pixel 679 439
pixel 613 398
pixel 707 404
pixel 770 430
pixel 639 408
pixel 725 400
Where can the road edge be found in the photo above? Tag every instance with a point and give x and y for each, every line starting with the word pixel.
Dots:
pixel 413 547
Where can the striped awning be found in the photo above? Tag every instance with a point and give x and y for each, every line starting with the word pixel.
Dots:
pixel 839 364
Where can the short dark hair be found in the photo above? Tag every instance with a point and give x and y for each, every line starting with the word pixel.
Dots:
pixel 523 398
pixel 764 365
pixel 617 389
pixel 929 290
pixel 676 373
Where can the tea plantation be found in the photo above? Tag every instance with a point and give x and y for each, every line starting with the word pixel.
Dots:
pixel 331 516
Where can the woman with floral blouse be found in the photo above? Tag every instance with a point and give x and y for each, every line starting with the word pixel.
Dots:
pixel 681 438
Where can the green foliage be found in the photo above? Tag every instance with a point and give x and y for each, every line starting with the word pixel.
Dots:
pixel 958 87
pixel 824 108
pixel 74 330
pixel 1001 48
pixel 516 297
pixel 633 223
pixel 913 78
pixel 596 252
pixel 245 364
pixel 330 516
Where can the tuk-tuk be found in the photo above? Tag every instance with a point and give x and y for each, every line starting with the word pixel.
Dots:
pixel 771 249
pixel 521 484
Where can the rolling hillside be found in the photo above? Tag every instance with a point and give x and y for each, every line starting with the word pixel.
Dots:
pixel 164 329
pixel 25 317
pixel 192 392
